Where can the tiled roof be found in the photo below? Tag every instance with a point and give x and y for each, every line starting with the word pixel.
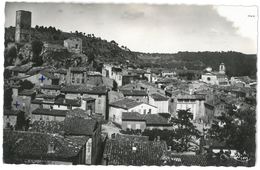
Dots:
pixel 173 159
pixel 45 96
pixel 49 112
pixel 78 113
pixel 61 71
pixel 49 75
pixel 158 97
pixel 35 70
pixel 33 145
pixel 84 89
pixel 125 103
pixel 191 97
pixel 78 69
pixel 68 102
pixel 18 77
pixel 22 69
pixel 89 99
pixel 134 92
pixel 132 116
pixel 79 126
pixel 156 120
pixel 121 152
pixel 11 112
pixel 51 87
pixel 27 92
pixel 47 126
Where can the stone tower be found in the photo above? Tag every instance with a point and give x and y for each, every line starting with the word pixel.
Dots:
pixel 23 26
pixel 222 68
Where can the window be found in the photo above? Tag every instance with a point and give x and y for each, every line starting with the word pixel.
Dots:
pixel 129 126
pixel 114 117
pixel 137 126
pixel 99 101
pixel 89 147
pixel 150 111
pixel 144 111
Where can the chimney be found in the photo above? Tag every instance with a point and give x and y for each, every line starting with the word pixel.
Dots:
pixel 158 138
pixel 169 148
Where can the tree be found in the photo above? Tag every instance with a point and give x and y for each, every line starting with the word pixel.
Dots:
pixel 10 55
pixel 236 129
pixel 185 131
pixel 26 85
pixel 37 49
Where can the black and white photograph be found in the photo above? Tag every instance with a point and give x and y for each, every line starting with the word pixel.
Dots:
pixel 129 83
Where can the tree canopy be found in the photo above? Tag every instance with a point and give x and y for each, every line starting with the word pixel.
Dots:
pixel 236 129
pixel 185 131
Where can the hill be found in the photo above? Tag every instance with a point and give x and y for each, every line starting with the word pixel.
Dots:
pixel 94 48
pixel 97 50
pixel 237 64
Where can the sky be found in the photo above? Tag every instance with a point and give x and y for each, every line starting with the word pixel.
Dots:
pixel 151 28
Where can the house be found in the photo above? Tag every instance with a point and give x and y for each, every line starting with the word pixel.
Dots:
pixel 48 115
pixel 160 101
pixel 155 121
pixel 216 78
pixel 131 151
pixel 20 70
pixel 43 78
pixel 128 105
pixel 43 148
pixel 213 109
pixel 99 93
pixel 58 103
pixel 78 126
pixel 76 75
pixel 194 102
pixel 77 123
pixel 73 45
pixel 133 120
pixel 10 118
pixel 51 89
pixel 137 95
pixel 22 100
pixel 61 73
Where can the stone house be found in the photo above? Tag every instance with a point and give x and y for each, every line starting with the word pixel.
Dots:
pixel 128 105
pixel 73 45
pixel 48 115
pixel 98 93
pixel 160 101
pixel 137 95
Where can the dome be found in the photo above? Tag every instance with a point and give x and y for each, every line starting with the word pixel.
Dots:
pixel 208 69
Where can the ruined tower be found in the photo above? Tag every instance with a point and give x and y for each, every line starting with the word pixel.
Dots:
pixel 23 26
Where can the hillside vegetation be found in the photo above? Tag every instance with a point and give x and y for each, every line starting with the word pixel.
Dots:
pixel 97 50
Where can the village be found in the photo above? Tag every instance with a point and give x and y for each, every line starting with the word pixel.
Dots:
pixel 119 115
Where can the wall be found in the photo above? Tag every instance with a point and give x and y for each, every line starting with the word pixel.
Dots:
pixel 196 107
pixel 138 98
pixel 213 79
pixel 100 103
pixel 11 119
pixel 163 106
pixel 133 124
pixel 115 114
pixel 35 79
pixel 144 108
pixel 47 118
